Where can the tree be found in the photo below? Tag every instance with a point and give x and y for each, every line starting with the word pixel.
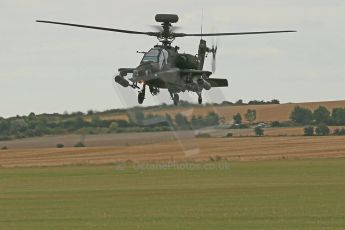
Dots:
pixel 322 130
pixel 338 116
pixel 169 120
pixel 275 101
pixel 309 131
pixel 60 146
pixel 78 122
pixel 239 102
pixel 123 123
pixel 96 121
pixel 212 118
pixel 4 127
pixel 237 118
pixel 250 115
pixel 197 121
pixel 256 102
pixel 136 116
pixel 339 132
pixel 301 115
pixel 227 103
pixel 275 124
pixel 113 126
pixel 259 131
pixel 321 115
pixel 32 116
pixel 80 144
pixel 18 125
pixel 182 121
pixel 90 112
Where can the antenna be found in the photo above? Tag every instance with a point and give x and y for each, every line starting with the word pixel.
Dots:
pixel 202 19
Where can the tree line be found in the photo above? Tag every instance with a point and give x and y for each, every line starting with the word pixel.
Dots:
pixel 53 124
pixel 321 118
pixel 92 123
pixel 321 115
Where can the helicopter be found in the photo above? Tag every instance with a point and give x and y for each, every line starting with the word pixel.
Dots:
pixel 163 67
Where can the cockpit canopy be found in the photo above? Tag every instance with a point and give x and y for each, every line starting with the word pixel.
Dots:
pixel 151 56
pixel 156 55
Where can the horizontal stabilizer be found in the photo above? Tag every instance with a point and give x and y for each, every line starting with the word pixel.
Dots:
pixel 218 82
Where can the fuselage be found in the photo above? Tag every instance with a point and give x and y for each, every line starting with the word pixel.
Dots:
pixel 161 67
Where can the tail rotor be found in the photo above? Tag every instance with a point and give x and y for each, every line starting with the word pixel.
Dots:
pixel 214 53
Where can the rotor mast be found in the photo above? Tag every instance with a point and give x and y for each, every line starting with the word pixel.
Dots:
pixel 166 36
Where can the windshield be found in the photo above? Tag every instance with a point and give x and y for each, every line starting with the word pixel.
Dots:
pixel 151 56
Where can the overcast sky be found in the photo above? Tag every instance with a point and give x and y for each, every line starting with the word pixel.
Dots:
pixel 51 68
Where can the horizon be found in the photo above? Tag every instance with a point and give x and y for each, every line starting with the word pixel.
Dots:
pixel 191 103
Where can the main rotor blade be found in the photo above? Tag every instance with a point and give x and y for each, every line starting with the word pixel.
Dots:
pixel 101 28
pixel 229 34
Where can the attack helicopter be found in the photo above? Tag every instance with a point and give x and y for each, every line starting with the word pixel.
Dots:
pixel 163 67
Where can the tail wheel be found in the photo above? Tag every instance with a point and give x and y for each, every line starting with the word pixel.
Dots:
pixel 176 99
pixel 200 100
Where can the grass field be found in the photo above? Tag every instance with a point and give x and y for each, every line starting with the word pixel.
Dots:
pixel 286 194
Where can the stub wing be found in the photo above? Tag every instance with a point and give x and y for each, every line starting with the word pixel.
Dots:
pixel 196 72
pixel 218 82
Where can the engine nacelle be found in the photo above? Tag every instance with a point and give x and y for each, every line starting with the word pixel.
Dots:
pixel 187 61
pixel 204 84
pixel 120 80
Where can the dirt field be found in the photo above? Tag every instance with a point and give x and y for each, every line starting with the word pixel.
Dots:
pixel 132 139
pixel 188 149
pixel 279 143
pixel 104 140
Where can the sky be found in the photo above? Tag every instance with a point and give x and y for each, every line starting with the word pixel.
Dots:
pixel 49 68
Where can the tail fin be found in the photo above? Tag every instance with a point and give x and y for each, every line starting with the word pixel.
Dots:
pixel 202 53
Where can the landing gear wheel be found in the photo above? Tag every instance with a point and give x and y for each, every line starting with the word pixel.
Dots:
pixel 200 100
pixel 176 99
pixel 141 97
